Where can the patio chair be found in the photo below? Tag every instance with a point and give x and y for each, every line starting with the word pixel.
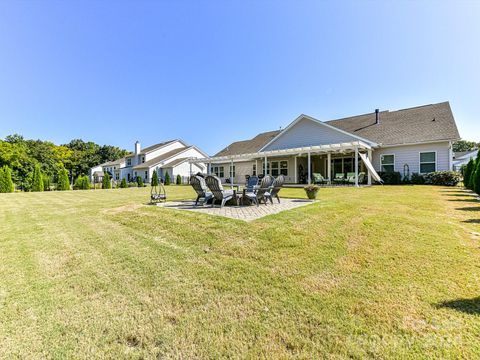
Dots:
pixel 252 183
pixel 275 188
pixel 262 192
pixel 319 179
pixel 339 178
pixel 351 178
pixel 215 185
pixel 200 187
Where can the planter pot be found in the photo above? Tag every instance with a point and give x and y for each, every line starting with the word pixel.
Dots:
pixel 312 194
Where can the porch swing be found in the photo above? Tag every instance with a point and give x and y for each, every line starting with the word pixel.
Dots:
pixel 157 193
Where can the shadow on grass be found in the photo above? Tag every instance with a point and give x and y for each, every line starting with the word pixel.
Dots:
pixel 472 200
pixel 469 306
pixel 472 221
pixel 469 208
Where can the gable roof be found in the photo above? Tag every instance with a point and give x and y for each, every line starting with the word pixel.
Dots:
pixel 114 162
pixel 159 145
pixel 161 158
pixel 465 154
pixel 428 123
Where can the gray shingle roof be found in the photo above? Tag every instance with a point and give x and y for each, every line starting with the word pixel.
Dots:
pixel 407 126
pixel 156 146
pixel 176 162
pixel 160 158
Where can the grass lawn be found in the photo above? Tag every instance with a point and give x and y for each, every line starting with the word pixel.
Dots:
pixel 381 272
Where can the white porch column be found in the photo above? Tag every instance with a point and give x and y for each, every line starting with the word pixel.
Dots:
pixel 329 167
pixel 309 169
pixel 295 169
pixel 190 163
pixel 356 166
pixel 231 172
pixel 265 166
pixel 209 168
pixel 369 176
pixel 256 167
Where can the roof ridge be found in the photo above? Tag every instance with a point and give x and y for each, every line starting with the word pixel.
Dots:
pixel 421 106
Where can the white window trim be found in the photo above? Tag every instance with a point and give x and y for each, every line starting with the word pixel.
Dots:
pixel 394 167
pixel 420 163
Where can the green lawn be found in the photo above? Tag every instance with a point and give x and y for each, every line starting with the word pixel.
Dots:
pixel 380 272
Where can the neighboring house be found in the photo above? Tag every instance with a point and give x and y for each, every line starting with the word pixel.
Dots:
pixel 462 158
pixel 414 140
pixel 170 156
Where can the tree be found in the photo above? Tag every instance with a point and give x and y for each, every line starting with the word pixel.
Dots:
pixel 106 183
pixel 476 178
pixel 179 180
pixel 463 145
pixel 46 182
pixel 139 181
pixel 467 174
pixel 37 179
pixel 123 183
pixel 82 183
pixel 63 183
pixel 167 179
pixel 8 182
pixel 154 178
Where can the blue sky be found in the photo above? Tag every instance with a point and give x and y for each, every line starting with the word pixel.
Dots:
pixel 215 72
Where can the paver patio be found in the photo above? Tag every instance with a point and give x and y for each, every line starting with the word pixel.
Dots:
pixel 246 213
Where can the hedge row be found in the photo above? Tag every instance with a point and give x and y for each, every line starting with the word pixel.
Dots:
pixel 443 178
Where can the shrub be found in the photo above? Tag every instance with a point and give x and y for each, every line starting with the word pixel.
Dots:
pixel 154 178
pixel 167 179
pixel 106 183
pixel 37 179
pixel 6 183
pixel 179 180
pixel 63 182
pixel 46 182
pixel 82 183
pixel 444 178
pixel 417 179
pixel 139 181
pixel 132 184
pixel 468 172
pixel 391 178
pixel 476 178
pixel 123 183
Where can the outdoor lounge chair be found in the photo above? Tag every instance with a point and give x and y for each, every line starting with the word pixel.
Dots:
pixel 219 194
pixel 339 178
pixel 351 178
pixel 319 179
pixel 275 188
pixel 200 187
pixel 262 192
pixel 252 183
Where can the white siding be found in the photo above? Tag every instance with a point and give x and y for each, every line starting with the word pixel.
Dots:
pixel 410 154
pixel 309 133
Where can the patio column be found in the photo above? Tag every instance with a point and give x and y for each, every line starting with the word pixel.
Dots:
pixel 295 169
pixel 209 168
pixel 329 167
pixel 309 169
pixel 265 166
pixel 190 163
pixel 231 172
pixel 356 166
pixel 369 177
pixel 256 167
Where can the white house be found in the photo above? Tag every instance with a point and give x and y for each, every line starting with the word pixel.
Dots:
pixel 414 140
pixel 462 158
pixel 172 157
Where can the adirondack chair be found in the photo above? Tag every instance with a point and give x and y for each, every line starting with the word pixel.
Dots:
pixel 219 194
pixel 200 187
pixel 275 188
pixel 261 193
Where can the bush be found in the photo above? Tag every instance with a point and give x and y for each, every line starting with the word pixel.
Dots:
pixel 476 178
pixel 106 183
pixel 154 179
pixel 444 178
pixel 63 182
pixel 167 179
pixel 37 179
pixel 132 184
pixel 6 183
pixel 179 180
pixel 82 183
pixel 391 178
pixel 139 181
pixel 46 182
pixel 467 173
pixel 123 183
pixel 417 179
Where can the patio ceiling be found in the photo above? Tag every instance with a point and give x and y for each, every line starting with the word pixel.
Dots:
pixel 319 149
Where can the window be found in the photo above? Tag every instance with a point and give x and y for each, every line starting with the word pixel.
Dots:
pixel 117 176
pixel 143 159
pixel 129 162
pixel 232 171
pixel 274 168
pixel 218 170
pixel 146 175
pixel 428 162
pixel 387 163
pixel 254 170
pixel 284 168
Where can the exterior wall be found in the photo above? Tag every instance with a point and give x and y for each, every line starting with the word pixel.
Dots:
pixel 410 154
pixel 309 133
pixel 163 150
pixel 194 153
pixel 94 169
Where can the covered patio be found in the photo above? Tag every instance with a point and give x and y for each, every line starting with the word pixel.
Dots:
pixel 297 164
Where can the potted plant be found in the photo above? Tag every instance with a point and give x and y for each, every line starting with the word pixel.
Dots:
pixel 311 191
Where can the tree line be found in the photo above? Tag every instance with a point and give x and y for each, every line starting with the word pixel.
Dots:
pixel 36 165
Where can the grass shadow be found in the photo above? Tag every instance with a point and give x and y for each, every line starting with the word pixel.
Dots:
pixel 469 208
pixel 465 200
pixel 468 306
pixel 472 221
